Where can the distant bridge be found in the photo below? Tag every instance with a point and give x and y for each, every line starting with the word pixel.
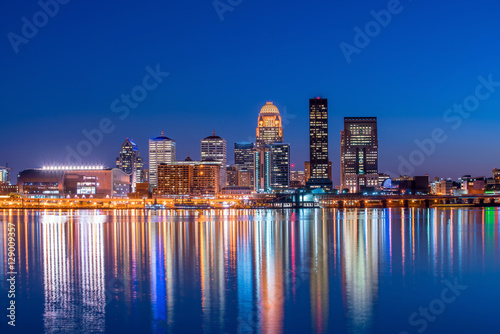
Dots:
pixel 405 201
pixel 308 200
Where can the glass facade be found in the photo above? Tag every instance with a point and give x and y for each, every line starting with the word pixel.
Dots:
pixel 161 150
pixel 214 148
pixel 359 152
pixel 130 161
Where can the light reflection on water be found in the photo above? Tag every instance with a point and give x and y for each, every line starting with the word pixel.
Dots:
pixel 249 271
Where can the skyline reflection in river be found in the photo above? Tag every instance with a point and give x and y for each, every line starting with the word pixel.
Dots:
pixel 250 271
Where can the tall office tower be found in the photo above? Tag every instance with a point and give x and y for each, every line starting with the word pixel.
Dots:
pixel 214 148
pixel 318 144
pixel 358 152
pixel 279 166
pixel 161 150
pixel 268 132
pixel 130 162
pixel 262 173
pixel 243 158
pixel 269 129
pixel 272 167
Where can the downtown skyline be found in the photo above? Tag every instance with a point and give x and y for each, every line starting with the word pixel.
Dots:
pixel 57 86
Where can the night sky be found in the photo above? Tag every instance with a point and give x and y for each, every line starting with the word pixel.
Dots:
pixel 64 78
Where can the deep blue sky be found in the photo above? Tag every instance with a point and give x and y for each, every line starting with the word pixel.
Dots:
pixel 221 72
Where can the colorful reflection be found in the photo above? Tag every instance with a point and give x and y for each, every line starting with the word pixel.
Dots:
pixel 241 271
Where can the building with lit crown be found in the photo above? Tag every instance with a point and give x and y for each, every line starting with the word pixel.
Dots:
pixel 269 129
pixel 359 153
pixel 271 157
pixel 130 161
pixel 214 148
pixel 161 151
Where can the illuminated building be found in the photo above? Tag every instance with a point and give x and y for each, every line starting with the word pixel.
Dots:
pixel 272 167
pixel 245 178
pixel 280 166
pixel 473 185
pixel 174 179
pixel 318 145
pixel 206 179
pixel 358 152
pixel 161 151
pixel 496 174
pixel 443 187
pixel 74 181
pixel 232 174
pixel 243 158
pixel 214 148
pixel 236 191
pixel 297 178
pixel 141 191
pixel 130 162
pixel 5 174
pixel 307 170
pixel 6 188
pixel 269 129
pixel 189 178
pixel 271 157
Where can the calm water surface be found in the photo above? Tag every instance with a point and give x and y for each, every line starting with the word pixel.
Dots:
pixel 253 271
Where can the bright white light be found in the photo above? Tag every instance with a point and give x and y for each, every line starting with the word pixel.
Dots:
pixel 73 167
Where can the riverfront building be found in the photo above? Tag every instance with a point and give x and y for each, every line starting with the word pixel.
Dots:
pixel 74 181
pixel 189 178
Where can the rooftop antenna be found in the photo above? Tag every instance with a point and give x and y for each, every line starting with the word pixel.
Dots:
pixel 213 132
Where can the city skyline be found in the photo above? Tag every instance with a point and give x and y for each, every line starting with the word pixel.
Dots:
pixel 295 166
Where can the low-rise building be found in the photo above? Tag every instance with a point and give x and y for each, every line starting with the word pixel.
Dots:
pixel 189 178
pixel 74 181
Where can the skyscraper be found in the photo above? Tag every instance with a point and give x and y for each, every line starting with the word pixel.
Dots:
pixel 214 148
pixel 271 156
pixel 130 161
pixel 243 158
pixel 318 144
pixel 279 166
pixel 161 150
pixel 269 129
pixel 359 152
